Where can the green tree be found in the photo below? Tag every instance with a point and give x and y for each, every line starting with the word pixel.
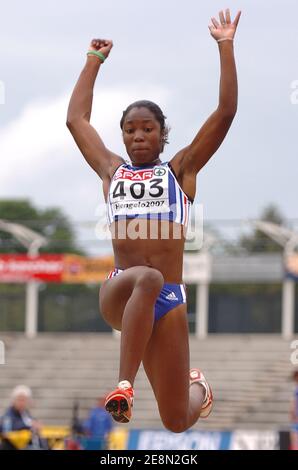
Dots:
pixel 62 307
pixel 51 223
pixel 259 242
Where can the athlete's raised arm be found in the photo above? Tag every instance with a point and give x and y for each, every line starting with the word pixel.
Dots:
pixel 192 158
pixel 89 142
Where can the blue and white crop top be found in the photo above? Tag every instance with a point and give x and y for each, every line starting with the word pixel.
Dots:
pixel 150 192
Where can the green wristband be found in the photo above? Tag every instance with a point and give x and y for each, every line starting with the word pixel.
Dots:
pixel 98 54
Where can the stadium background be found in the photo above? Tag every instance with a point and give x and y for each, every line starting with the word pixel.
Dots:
pixel 242 297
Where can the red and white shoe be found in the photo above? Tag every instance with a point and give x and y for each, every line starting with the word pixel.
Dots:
pixel 196 376
pixel 119 402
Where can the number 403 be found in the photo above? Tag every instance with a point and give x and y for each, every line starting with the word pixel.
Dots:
pixel 137 190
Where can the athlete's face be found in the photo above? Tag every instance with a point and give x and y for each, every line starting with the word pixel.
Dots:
pixel 142 135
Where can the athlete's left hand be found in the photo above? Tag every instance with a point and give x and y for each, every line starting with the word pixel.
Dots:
pixel 225 29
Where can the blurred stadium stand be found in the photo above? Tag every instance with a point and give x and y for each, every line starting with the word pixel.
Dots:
pixel 250 375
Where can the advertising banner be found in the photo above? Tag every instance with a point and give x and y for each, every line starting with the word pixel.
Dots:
pixel 85 270
pixel 189 440
pixel 54 268
pixel 22 268
pixel 255 440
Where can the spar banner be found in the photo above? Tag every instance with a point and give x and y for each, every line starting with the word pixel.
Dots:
pixel 54 268
pixel 291 267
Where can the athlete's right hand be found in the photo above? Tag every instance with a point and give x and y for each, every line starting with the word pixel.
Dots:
pixel 101 45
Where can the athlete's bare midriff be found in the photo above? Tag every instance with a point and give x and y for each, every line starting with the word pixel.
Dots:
pixel 166 254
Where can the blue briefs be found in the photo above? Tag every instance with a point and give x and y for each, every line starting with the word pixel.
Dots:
pixel 171 295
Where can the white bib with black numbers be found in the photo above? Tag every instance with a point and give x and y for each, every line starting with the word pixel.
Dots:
pixel 143 192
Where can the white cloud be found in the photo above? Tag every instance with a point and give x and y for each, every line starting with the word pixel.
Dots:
pixel 40 160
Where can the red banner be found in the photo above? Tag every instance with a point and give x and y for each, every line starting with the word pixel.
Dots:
pixel 54 268
pixel 22 268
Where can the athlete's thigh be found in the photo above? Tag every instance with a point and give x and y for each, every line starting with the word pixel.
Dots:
pixel 166 362
pixel 115 292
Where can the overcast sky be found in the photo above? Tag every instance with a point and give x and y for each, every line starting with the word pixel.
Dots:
pixel 162 51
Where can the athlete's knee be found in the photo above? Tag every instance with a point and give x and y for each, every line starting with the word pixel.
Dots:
pixel 175 424
pixel 150 280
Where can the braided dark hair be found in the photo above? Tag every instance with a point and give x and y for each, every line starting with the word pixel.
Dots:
pixel 159 116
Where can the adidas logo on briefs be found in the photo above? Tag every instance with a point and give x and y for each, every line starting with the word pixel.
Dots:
pixel 172 296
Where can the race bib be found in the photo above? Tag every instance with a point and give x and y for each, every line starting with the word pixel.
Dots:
pixel 140 191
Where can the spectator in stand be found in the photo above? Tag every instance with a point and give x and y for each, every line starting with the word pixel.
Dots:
pixel 99 423
pixel 294 414
pixel 18 417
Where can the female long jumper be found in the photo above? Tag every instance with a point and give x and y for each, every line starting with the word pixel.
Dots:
pixel 144 296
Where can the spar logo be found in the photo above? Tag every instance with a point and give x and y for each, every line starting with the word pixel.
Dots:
pixel 138 175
